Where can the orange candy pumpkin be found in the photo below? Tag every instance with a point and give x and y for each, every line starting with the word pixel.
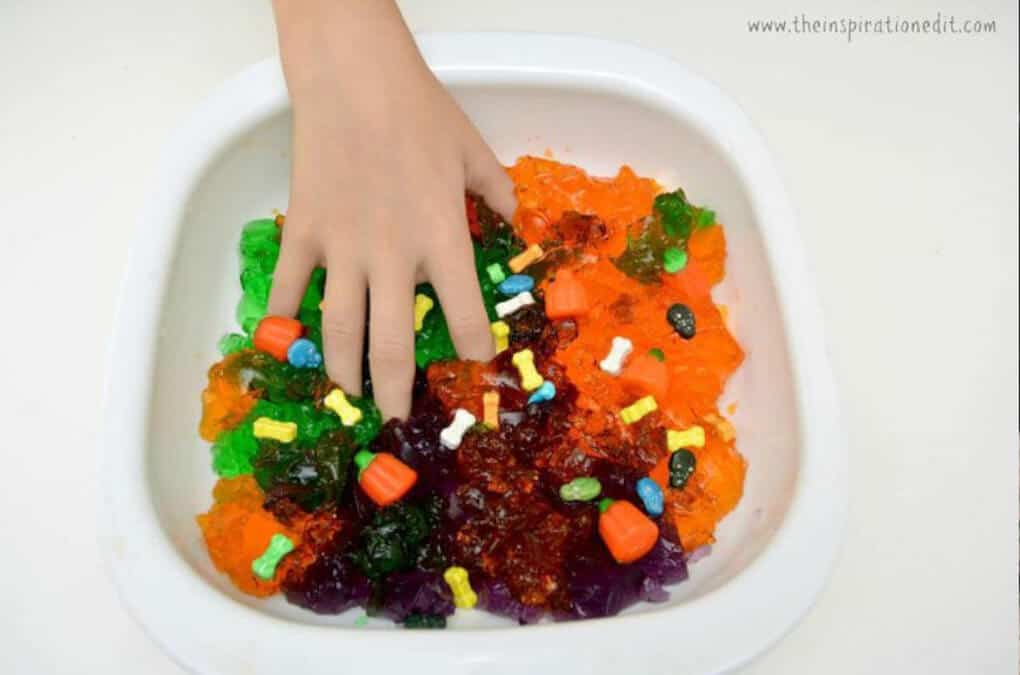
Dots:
pixel 275 334
pixel 383 477
pixel 627 533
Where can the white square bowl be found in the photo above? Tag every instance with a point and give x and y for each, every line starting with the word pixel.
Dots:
pixel 594 103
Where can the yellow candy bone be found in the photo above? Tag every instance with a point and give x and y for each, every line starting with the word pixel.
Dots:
pixel 530 255
pixel 501 334
pixel 638 409
pixel 265 427
pixel 490 406
pixel 692 437
pixel 463 595
pixel 422 305
pixel 338 403
pixel 524 360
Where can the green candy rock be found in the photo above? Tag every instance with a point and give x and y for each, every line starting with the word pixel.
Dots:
pixel 496 273
pixel 581 490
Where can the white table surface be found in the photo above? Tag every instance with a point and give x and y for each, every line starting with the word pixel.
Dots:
pixel 900 153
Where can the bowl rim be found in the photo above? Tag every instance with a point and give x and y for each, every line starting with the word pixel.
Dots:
pixel 760 604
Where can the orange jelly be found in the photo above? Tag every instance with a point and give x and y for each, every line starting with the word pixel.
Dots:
pixel 693 373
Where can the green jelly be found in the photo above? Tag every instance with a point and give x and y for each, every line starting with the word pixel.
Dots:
pixel 234 450
pixel 674 260
pixel 660 245
pixel 706 218
pixel 311 475
pixel 417 620
pixel 233 342
pixel 392 540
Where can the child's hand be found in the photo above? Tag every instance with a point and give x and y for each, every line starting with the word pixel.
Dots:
pixel 381 158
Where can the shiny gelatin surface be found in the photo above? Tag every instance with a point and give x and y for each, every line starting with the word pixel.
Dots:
pixel 620 258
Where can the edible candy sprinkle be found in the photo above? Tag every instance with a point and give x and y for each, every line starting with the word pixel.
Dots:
pixel 692 437
pixel 681 466
pixel 638 409
pixel 304 354
pixel 496 273
pixel 620 350
pixel 490 405
pixel 582 489
pixel 508 307
pixel 531 255
pixel 338 403
pixel 500 335
pixel 545 392
pixel 422 305
pixel 516 283
pixel 524 361
pixel 452 435
pixel 457 579
pixel 681 318
pixel 651 496
pixel 264 427
pixel 264 566
pixel 383 477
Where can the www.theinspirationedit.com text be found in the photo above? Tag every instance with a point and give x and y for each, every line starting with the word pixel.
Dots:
pixel 937 24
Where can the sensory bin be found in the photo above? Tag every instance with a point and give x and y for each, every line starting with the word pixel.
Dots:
pixel 577 473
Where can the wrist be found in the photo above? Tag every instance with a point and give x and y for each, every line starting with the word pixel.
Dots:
pixel 330 45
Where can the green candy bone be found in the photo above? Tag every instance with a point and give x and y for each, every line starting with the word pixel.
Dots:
pixel 580 490
pixel 264 566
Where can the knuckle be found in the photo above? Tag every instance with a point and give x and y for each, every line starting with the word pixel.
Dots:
pixel 340 328
pixel 467 327
pixel 391 356
pixel 473 342
pixel 300 237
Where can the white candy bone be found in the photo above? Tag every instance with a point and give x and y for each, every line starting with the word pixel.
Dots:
pixel 508 307
pixel 613 363
pixel 452 435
